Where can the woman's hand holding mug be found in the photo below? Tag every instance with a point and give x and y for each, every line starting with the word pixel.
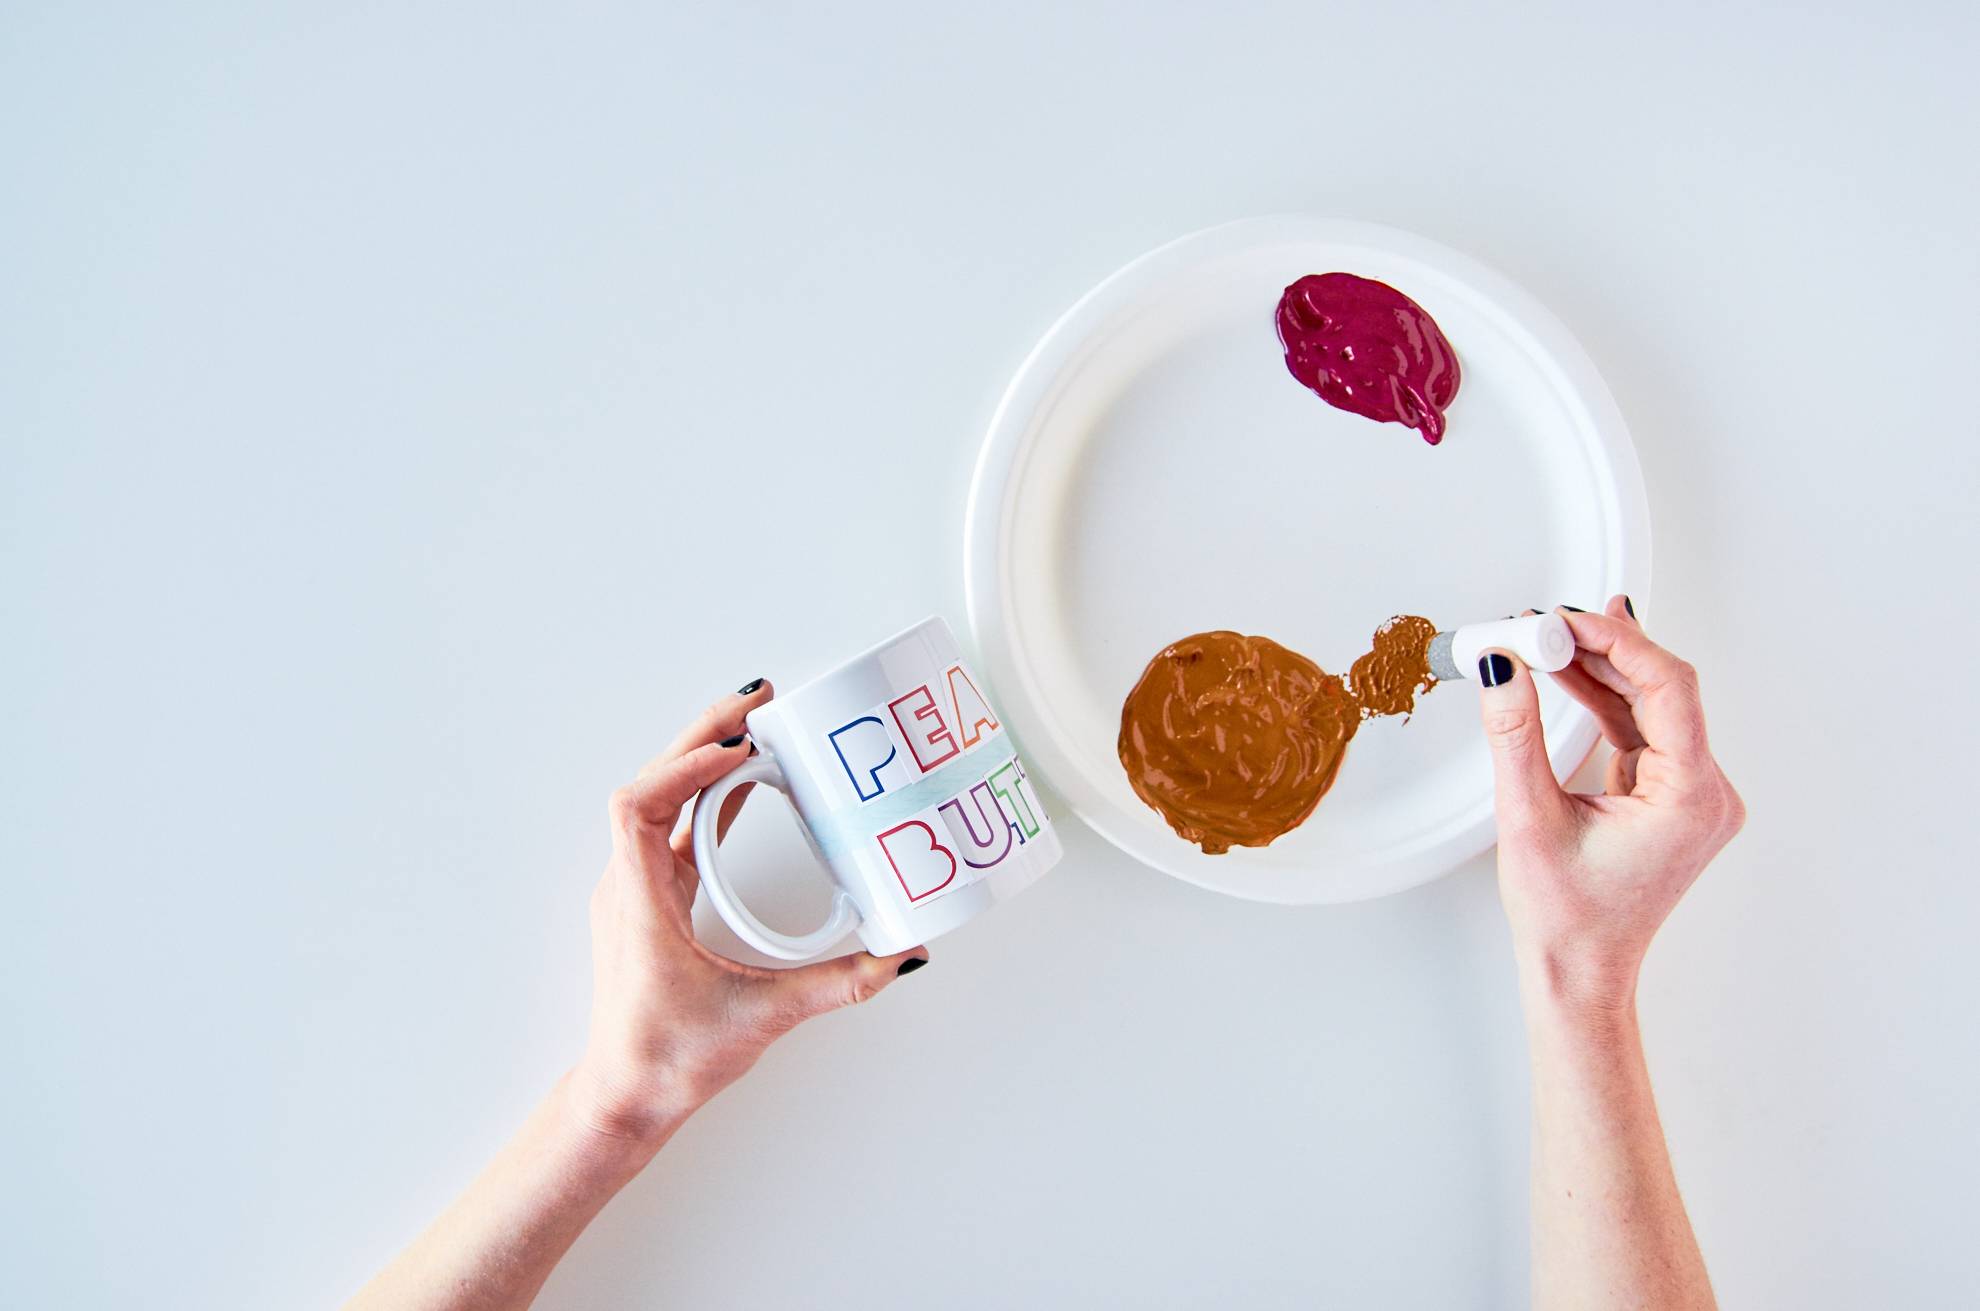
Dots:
pixel 909 792
pixel 672 1023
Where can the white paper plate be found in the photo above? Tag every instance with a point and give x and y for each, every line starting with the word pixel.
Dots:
pixel 1163 396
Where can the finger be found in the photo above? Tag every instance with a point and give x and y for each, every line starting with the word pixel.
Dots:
pixel 728 717
pixel 684 840
pixel 1664 695
pixel 1598 668
pixel 786 998
pixel 1621 777
pixel 1610 710
pixel 1509 705
pixel 1620 608
pixel 731 807
pixel 653 801
pixel 1598 673
pixel 720 721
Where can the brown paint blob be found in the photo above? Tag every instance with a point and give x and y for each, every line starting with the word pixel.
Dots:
pixel 1233 739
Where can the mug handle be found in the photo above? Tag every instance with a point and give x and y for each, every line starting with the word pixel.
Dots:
pixel 707 812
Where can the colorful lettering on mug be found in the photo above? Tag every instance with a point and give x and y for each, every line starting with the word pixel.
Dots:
pixel 930 739
pixel 993 843
pixel 985 823
pixel 859 746
pixel 933 730
pixel 919 860
pixel 1006 781
pixel 973 713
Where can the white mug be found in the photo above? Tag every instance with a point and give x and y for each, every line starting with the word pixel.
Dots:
pixel 909 791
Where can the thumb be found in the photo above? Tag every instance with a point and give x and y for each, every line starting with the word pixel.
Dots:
pixel 793 996
pixel 1509 704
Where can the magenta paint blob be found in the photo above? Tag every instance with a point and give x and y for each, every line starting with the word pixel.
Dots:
pixel 1364 347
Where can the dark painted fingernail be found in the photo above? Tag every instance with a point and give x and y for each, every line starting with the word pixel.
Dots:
pixel 749 687
pixel 1494 669
pixel 735 741
pixel 1630 606
pixel 910 965
pixel 1575 608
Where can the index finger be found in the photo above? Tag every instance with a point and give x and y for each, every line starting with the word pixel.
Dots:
pixel 723 719
pixel 1664 689
pixel 664 787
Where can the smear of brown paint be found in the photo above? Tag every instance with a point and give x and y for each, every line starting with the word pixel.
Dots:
pixel 1387 679
pixel 1233 739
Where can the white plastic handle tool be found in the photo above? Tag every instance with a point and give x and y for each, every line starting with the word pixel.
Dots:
pixel 707 814
pixel 1544 642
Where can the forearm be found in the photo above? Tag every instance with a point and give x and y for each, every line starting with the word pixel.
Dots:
pixel 1609 1229
pixel 498 1242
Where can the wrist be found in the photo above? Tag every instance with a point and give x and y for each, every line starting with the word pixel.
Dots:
pixel 1589 990
pixel 619 1116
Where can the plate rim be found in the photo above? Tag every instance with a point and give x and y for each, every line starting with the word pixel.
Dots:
pixel 1002 455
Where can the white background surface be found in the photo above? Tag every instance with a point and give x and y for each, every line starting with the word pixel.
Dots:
pixel 409 414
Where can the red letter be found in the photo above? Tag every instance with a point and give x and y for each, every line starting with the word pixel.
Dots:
pixel 920 874
pixel 924 734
